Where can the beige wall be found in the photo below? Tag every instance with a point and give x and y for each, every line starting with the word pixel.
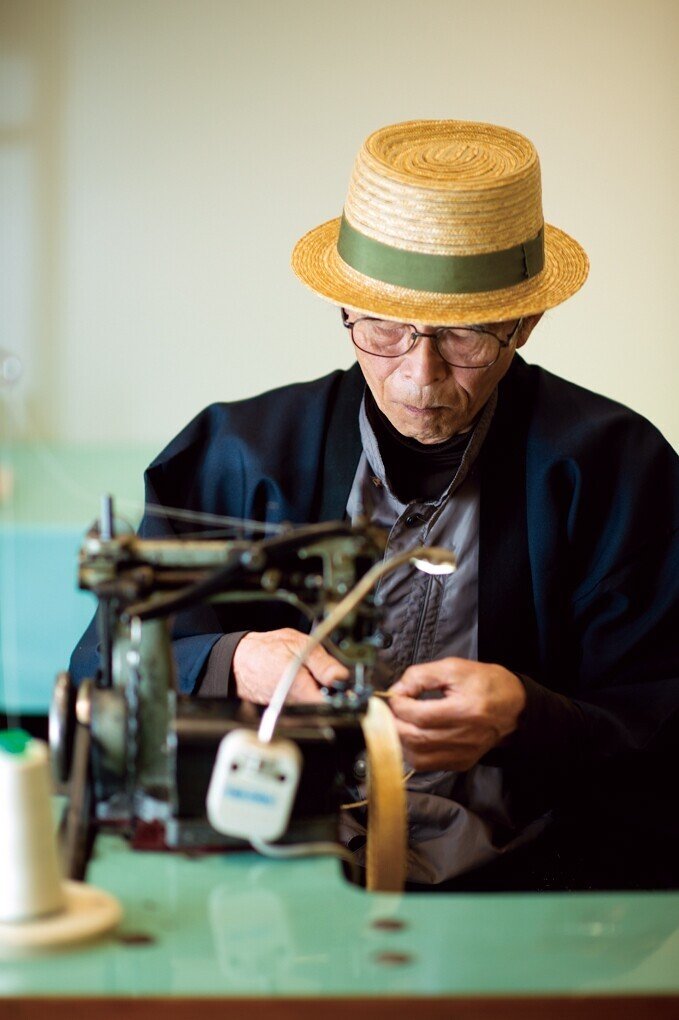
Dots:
pixel 159 158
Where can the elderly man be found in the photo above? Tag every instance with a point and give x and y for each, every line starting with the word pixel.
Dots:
pixel 535 690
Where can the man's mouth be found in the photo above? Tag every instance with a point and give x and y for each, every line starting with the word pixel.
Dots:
pixel 420 411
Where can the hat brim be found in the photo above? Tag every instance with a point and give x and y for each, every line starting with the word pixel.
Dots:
pixel 317 264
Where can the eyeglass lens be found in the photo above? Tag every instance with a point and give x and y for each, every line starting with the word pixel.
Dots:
pixel 461 347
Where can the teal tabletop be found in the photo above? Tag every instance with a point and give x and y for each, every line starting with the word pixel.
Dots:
pixel 239 927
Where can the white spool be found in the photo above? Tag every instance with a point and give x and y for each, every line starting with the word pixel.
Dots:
pixel 37 908
pixel 30 877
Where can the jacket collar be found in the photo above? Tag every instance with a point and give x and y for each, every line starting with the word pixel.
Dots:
pixel 507 624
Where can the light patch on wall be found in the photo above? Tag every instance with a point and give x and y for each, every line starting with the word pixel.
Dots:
pixel 17 91
pixel 17 257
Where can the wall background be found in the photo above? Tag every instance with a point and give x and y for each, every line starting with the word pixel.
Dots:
pixel 159 158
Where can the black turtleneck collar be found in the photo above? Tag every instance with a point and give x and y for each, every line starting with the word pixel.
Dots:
pixel 415 471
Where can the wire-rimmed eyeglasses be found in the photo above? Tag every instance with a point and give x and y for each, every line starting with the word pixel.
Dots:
pixel 459 346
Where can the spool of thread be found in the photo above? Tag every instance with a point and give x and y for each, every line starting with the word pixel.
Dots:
pixel 30 877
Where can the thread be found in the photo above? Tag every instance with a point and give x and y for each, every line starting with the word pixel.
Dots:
pixel 30 876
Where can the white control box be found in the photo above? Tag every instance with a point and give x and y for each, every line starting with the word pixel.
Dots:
pixel 253 786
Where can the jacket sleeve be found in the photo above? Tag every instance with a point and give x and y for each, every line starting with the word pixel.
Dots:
pixel 253 459
pixel 628 650
pixel 610 602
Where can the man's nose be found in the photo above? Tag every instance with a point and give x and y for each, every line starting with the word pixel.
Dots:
pixel 423 363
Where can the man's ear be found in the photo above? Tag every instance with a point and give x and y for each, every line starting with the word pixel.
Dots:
pixel 527 326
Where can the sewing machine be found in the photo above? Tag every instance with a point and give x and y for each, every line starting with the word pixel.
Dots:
pixel 138 757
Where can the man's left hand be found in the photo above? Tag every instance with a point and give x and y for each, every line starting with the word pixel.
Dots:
pixel 479 705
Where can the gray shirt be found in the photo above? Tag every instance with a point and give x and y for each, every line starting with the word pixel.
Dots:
pixel 456 821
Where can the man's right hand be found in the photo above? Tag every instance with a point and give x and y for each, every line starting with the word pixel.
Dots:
pixel 260 660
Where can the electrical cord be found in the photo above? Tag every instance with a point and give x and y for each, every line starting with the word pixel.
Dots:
pixel 298 850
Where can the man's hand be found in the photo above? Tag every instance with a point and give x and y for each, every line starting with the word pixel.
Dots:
pixel 260 660
pixel 479 705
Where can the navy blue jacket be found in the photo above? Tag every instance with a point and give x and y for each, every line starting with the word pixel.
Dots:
pixel 578 571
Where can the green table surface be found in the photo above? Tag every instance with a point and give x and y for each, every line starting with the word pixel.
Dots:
pixel 241 925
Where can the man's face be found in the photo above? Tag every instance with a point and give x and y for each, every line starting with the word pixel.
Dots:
pixel 423 396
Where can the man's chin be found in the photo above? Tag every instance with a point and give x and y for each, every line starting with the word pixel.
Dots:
pixel 427 426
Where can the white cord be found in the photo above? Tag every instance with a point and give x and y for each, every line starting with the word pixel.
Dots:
pixel 290 851
pixel 435 556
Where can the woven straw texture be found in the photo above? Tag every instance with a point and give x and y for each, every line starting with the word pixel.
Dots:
pixel 443 188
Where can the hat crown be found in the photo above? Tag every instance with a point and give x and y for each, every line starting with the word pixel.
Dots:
pixel 446 187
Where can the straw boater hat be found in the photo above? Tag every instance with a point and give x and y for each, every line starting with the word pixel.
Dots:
pixel 443 224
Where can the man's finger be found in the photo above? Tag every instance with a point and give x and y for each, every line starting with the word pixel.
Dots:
pixel 305 688
pixel 431 714
pixel 426 740
pixel 324 668
pixel 441 761
pixel 430 750
pixel 418 679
